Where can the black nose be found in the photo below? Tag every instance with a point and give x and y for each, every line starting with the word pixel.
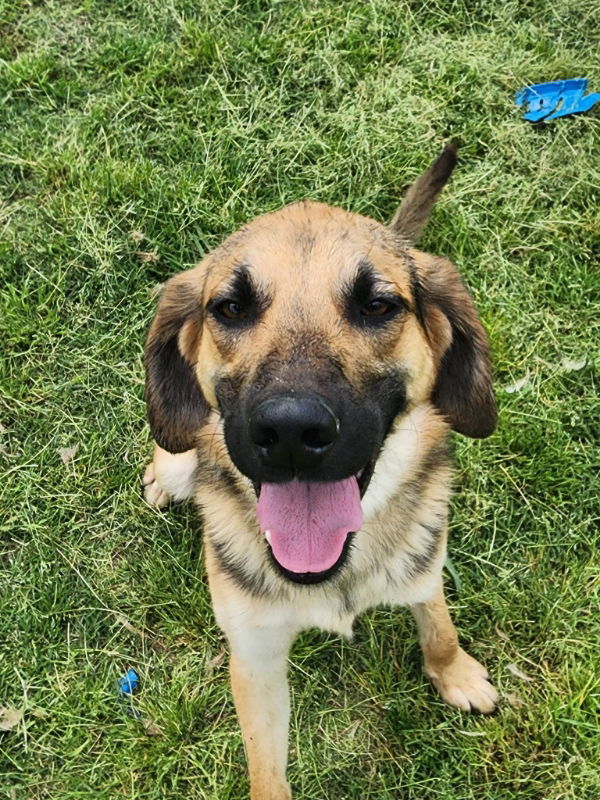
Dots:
pixel 293 432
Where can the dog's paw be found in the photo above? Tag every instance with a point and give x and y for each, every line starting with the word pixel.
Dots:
pixel 154 494
pixel 274 791
pixel 464 683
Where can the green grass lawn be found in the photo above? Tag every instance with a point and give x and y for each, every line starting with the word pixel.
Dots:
pixel 176 121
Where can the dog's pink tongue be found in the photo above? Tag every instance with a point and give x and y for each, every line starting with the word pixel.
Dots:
pixel 308 522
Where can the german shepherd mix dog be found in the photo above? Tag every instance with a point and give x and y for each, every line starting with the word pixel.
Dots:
pixel 301 384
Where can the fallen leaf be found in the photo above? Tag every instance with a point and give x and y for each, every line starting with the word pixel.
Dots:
pixel 147 257
pixel 151 728
pixel 67 453
pixel 215 662
pixel 351 731
pixel 512 388
pixel 9 718
pixel 572 365
pixel 2 429
pixel 514 670
pixel 38 713
pixel 128 626
pixel 156 289
pixel 501 635
pixel 137 236
pixel 514 700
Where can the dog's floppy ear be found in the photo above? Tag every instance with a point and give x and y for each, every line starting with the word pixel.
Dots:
pixel 410 218
pixel 463 388
pixel 175 404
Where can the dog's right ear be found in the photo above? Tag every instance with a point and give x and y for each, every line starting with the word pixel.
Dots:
pixel 176 406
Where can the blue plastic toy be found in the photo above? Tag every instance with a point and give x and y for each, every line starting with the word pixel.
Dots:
pixel 128 686
pixel 129 683
pixel 548 101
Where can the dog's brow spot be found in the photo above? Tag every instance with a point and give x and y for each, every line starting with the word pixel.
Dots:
pixel 305 243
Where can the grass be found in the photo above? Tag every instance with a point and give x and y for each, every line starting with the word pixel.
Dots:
pixel 180 120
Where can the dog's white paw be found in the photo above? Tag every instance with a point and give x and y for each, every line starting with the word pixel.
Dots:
pixel 154 494
pixel 273 791
pixel 464 683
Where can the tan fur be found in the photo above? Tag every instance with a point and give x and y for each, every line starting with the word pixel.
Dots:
pixel 301 258
pixel 411 216
pixel 459 678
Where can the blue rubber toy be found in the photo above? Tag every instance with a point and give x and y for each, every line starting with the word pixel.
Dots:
pixel 129 683
pixel 546 101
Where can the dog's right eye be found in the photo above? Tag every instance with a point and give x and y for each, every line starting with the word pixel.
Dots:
pixel 230 310
pixel 239 304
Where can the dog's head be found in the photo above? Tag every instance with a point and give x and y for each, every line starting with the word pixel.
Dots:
pixel 312 331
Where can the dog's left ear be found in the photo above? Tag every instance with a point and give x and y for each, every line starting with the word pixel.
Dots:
pixel 463 387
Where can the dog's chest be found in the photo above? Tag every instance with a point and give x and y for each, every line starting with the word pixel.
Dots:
pixel 395 559
pixel 335 606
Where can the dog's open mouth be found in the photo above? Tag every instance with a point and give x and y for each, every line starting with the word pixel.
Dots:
pixel 309 525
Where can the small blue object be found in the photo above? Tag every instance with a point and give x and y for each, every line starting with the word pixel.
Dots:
pixel 128 686
pixel 546 101
pixel 129 683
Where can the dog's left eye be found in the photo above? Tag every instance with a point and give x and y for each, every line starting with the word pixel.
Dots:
pixel 378 308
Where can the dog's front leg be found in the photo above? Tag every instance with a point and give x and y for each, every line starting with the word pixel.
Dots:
pixel 460 679
pixel 260 690
pixel 169 477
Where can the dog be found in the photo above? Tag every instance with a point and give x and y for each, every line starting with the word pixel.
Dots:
pixel 301 383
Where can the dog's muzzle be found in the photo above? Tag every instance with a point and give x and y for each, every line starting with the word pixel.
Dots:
pixel 310 454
